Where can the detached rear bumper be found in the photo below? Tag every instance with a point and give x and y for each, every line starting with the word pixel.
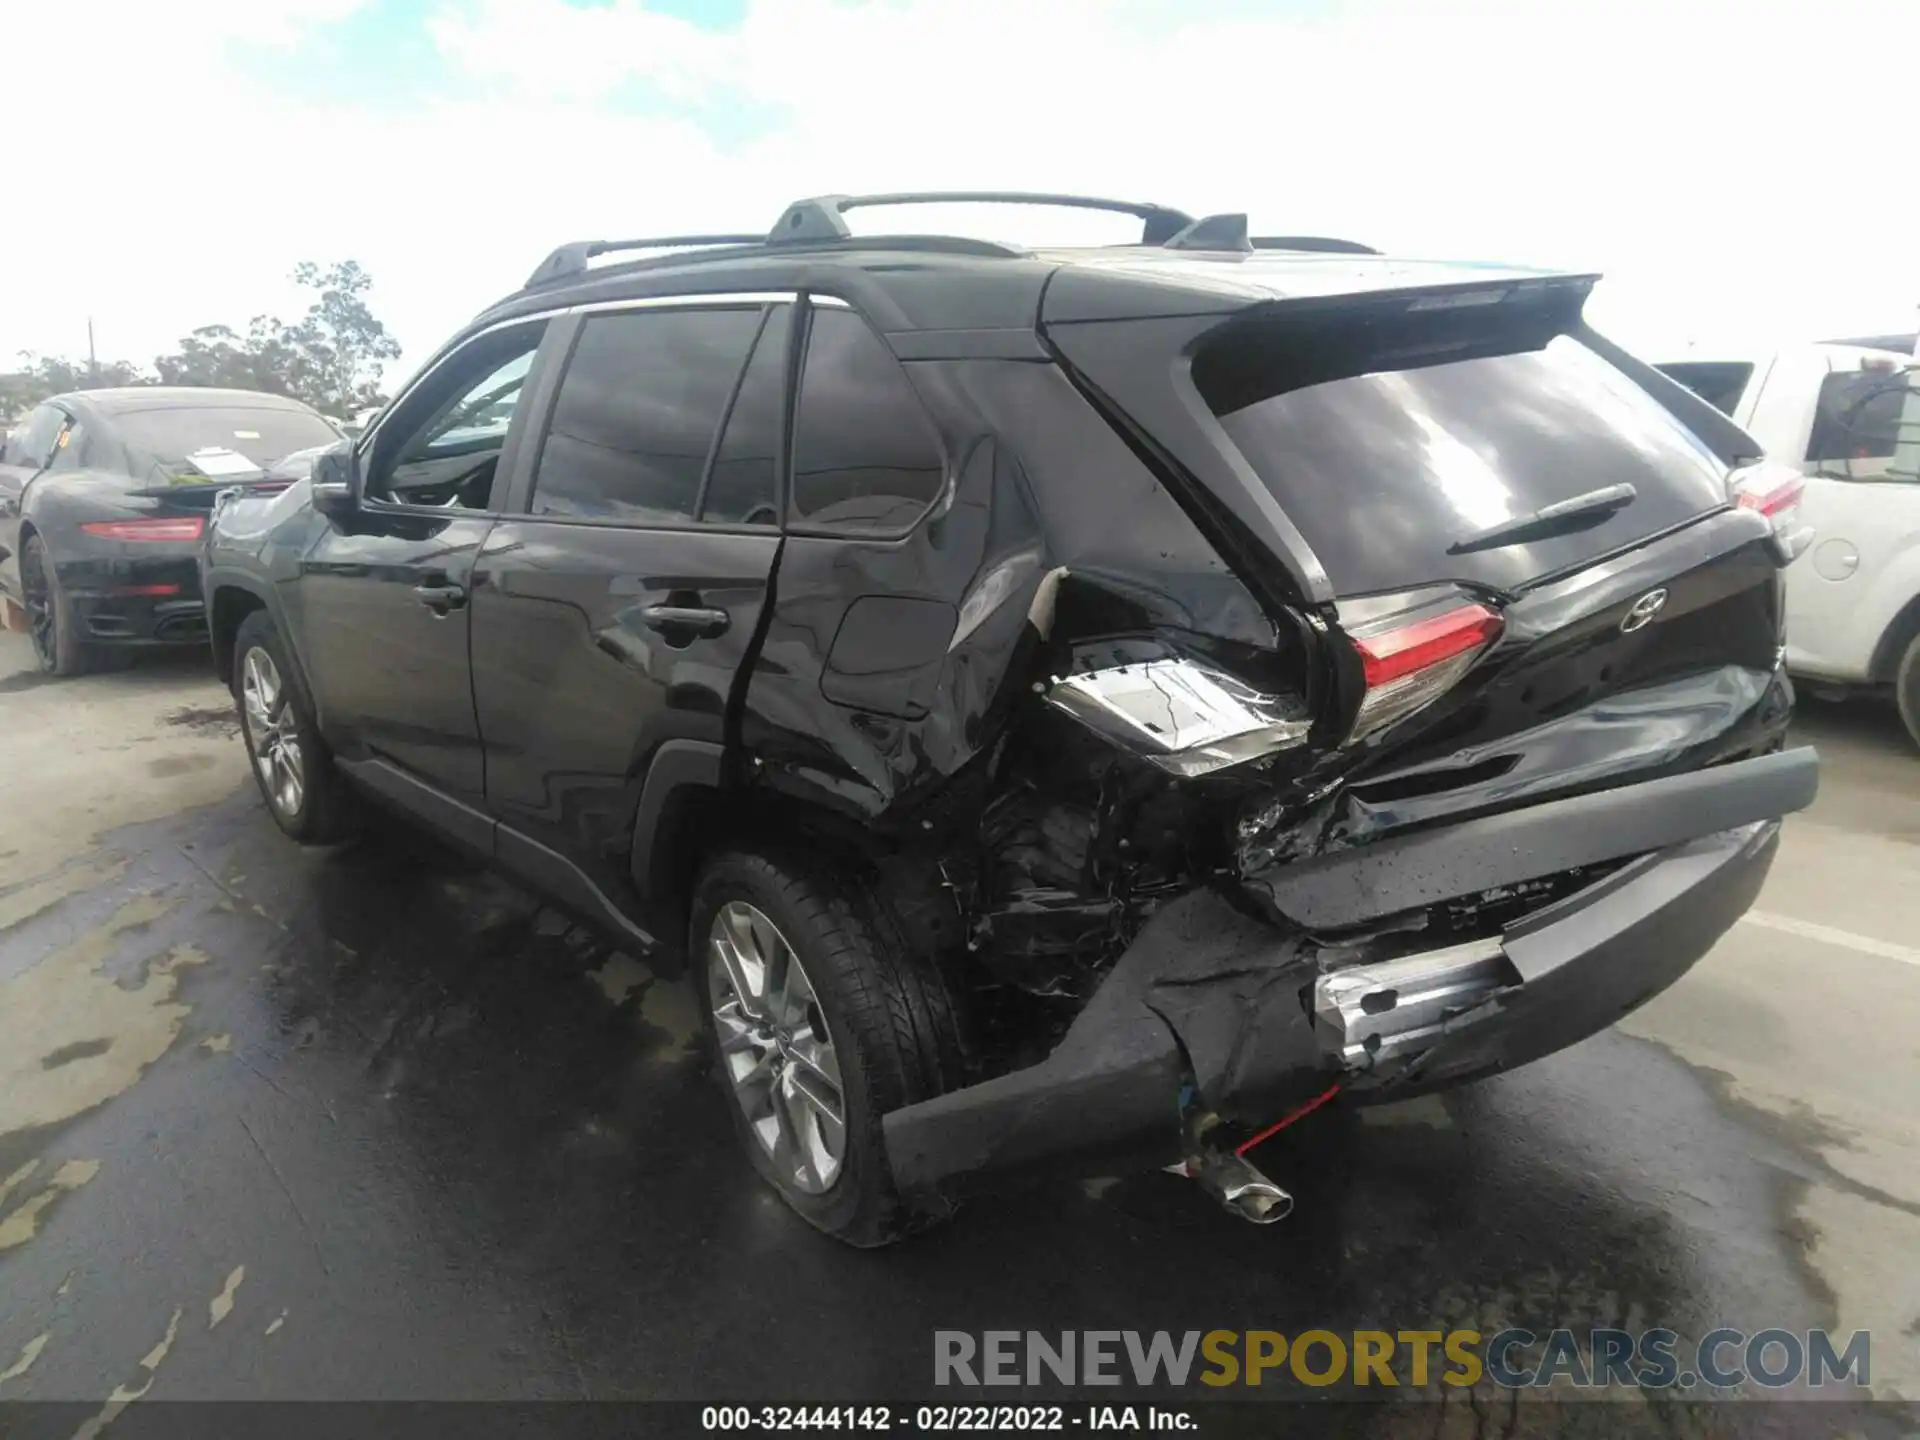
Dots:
pixel 1254 1020
pixel 1556 977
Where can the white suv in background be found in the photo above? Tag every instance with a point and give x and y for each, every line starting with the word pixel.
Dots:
pixel 1849 418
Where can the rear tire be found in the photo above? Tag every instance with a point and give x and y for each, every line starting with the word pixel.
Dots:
pixel 843 1027
pixel 51 622
pixel 1906 687
pixel 307 797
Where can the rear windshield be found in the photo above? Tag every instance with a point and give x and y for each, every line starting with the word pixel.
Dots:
pixel 208 440
pixel 1385 471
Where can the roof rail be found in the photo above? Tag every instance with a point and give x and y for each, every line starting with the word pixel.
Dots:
pixel 810 221
pixel 1214 232
pixel 1326 243
pixel 572 258
pixel 819 220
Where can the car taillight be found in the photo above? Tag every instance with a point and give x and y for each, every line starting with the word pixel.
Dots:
pixel 1409 665
pixel 1187 717
pixel 1774 490
pixel 187 527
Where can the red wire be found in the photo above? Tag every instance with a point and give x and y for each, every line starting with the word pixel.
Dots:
pixel 1287 1119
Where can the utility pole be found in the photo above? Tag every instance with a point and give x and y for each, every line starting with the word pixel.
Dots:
pixel 93 363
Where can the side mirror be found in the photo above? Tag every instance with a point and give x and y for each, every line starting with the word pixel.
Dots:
pixel 336 481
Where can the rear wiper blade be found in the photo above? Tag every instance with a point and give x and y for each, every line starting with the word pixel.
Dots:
pixel 1556 519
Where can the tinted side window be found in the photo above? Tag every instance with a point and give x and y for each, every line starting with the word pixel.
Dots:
pixel 635 418
pixel 34 447
pixel 70 451
pixel 742 489
pixel 865 455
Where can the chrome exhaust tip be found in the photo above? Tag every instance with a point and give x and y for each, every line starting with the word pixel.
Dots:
pixel 1239 1187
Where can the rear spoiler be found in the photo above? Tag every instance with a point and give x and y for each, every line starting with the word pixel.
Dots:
pixel 201 496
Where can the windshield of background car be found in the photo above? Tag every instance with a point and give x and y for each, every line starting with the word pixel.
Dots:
pixel 1387 472
pixel 193 443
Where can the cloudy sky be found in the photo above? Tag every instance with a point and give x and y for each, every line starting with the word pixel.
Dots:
pixel 1741 172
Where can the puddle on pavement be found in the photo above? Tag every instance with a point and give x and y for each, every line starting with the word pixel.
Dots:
pixel 125 1395
pixel 29 1353
pixel 222 720
pixel 63 1006
pixel 1840 1225
pixel 23 1223
pixel 22 901
pixel 221 1305
pixel 620 977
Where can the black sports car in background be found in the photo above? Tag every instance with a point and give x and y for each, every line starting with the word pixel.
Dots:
pixel 103 497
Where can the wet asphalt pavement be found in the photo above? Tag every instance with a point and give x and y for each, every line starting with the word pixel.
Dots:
pixel 374 1124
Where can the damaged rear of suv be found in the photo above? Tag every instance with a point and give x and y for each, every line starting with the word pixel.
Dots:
pixel 1164 686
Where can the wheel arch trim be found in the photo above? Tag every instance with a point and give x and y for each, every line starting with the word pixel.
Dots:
pixel 217 578
pixel 677 768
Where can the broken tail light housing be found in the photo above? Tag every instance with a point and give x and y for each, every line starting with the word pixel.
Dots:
pixel 1408 662
pixel 1186 717
pixel 176 528
pixel 1774 491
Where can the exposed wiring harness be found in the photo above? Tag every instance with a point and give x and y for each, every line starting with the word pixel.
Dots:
pixel 1297 1113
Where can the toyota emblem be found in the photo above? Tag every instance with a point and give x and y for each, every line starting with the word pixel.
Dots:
pixel 1642 611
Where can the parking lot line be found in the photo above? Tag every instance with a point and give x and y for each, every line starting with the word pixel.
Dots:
pixel 1827 934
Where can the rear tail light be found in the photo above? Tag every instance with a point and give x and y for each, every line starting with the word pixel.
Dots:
pixel 1773 490
pixel 185 527
pixel 1408 664
pixel 1185 717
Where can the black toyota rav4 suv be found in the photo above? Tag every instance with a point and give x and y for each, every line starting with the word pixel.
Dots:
pixel 1067 709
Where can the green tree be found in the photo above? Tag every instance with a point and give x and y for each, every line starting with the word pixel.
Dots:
pixel 42 376
pixel 216 355
pixel 341 348
pixel 331 358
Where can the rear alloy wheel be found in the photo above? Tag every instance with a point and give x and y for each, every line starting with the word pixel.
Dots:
pixel 52 625
pixel 303 791
pixel 1906 687
pixel 822 1021
pixel 776 1048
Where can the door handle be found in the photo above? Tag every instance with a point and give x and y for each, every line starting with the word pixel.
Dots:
pixel 688 619
pixel 441 598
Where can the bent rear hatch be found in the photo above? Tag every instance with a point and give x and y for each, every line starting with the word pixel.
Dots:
pixel 1518 543
pixel 1402 467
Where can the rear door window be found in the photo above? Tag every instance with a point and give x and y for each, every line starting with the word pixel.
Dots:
pixel 638 412
pixel 866 458
pixel 1387 470
pixel 742 488
pixel 33 447
pixel 70 450
pixel 1861 420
